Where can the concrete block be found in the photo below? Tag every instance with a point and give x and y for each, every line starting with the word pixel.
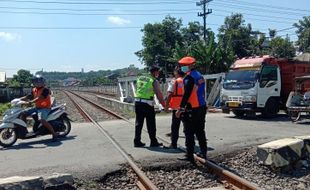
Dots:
pixel 281 152
pixel 57 179
pixel 116 105
pixel 306 140
pixel 21 183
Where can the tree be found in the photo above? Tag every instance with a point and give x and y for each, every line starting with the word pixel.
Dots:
pixel 22 79
pixel 159 41
pixel 272 33
pixel 303 32
pixel 282 47
pixel 237 35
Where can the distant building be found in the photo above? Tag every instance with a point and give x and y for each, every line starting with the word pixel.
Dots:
pixel 71 82
pixel 2 78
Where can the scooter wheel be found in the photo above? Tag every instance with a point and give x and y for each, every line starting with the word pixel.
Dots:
pixel 8 137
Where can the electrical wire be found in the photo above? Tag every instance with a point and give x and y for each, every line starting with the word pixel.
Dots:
pixel 265 5
pixel 97 3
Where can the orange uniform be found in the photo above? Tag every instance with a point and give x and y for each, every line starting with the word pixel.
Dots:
pixel 41 103
pixel 177 95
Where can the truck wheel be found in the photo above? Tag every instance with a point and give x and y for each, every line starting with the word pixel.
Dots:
pixel 238 113
pixel 271 108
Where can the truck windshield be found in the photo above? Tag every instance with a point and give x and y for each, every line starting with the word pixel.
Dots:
pixel 240 79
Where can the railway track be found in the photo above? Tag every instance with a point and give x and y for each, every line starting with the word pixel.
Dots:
pixel 143 181
pixel 227 178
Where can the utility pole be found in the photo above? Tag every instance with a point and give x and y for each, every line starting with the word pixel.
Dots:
pixel 204 14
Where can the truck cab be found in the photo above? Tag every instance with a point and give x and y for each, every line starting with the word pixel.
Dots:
pixel 252 85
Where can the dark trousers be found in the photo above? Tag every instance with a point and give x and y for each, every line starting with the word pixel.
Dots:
pixel 194 124
pixel 175 126
pixel 144 110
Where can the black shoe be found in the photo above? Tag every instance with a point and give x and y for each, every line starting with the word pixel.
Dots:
pixel 186 158
pixel 171 147
pixel 157 144
pixel 202 155
pixel 139 144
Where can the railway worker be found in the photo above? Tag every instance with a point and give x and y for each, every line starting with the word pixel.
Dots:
pixel 193 107
pixel 175 94
pixel 41 97
pixel 147 87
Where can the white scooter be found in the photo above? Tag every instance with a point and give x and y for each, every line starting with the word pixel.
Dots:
pixel 13 127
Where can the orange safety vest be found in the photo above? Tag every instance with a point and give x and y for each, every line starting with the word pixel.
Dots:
pixel 177 95
pixel 41 103
pixel 197 97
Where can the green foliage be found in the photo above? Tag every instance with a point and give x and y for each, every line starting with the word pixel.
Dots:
pixel 22 79
pixel 282 48
pixel 237 36
pixel 159 43
pixel 4 107
pixel 92 78
pixel 303 32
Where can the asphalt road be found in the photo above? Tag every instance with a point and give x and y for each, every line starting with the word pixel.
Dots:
pixel 86 153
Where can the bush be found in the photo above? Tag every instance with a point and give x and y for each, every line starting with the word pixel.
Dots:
pixel 4 107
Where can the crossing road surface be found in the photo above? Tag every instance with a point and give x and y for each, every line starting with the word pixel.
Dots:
pixel 87 153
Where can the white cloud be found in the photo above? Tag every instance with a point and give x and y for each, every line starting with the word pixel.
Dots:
pixel 118 20
pixel 8 37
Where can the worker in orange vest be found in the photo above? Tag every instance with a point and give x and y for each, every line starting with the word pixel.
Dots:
pixel 175 94
pixel 193 107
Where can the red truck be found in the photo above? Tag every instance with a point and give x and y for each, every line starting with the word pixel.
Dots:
pixel 260 84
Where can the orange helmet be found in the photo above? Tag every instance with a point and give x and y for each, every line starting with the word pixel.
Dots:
pixel 186 61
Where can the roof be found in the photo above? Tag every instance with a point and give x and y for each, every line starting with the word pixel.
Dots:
pixel 302 78
pixel 249 62
pixel 305 57
pixel 2 77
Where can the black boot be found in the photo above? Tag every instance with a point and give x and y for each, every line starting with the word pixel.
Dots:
pixel 139 144
pixel 156 144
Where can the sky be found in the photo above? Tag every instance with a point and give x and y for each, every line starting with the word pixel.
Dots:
pixel 68 35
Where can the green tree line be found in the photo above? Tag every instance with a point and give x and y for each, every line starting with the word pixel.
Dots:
pixel 166 42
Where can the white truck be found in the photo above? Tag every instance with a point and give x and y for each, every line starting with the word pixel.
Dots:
pixel 260 84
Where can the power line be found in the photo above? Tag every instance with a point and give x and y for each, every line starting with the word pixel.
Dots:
pixel 98 3
pixel 265 16
pixel 131 10
pixel 66 28
pixel 94 10
pixel 221 5
pixel 283 22
pixel 265 5
pixel 90 14
pixel 284 29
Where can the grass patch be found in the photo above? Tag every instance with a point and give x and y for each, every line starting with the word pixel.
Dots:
pixel 4 107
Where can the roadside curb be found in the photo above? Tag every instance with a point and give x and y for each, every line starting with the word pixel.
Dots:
pixel 284 152
pixel 56 180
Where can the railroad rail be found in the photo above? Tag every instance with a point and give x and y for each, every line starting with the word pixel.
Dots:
pixel 227 178
pixel 144 183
